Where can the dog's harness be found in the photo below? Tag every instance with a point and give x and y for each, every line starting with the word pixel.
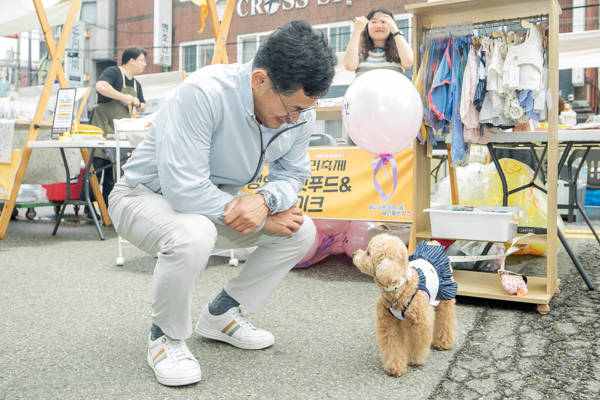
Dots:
pixel 428 282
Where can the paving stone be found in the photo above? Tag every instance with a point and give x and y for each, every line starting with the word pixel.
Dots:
pixel 532 344
pixel 482 386
pixel 458 374
pixel 505 350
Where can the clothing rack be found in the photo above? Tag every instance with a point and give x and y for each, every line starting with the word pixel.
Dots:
pixel 486 14
pixel 468 27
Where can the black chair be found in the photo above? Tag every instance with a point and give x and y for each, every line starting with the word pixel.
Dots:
pixel 568 175
pixel 593 167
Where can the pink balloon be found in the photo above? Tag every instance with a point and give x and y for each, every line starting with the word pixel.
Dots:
pixel 357 237
pixel 382 112
pixel 312 250
pixel 338 245
pixel 331 227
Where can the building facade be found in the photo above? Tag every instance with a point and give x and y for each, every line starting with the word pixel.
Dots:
pixel 253 20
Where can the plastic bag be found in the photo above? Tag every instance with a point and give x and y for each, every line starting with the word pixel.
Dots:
pixel 480 185
pixel 593 119
pixel 472 248
pixel 39 194
pixel 470 182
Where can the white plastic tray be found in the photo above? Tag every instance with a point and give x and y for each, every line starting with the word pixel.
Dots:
pixel 490 224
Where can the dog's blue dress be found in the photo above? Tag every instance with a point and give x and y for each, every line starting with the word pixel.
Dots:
pixel 435 275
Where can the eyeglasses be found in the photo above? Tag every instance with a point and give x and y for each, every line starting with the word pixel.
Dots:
pixel 298 112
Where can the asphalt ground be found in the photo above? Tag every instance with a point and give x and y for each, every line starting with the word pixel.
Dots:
pixel 75 326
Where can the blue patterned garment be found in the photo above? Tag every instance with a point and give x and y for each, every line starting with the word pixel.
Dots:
pixel 435 256
pixel 439 260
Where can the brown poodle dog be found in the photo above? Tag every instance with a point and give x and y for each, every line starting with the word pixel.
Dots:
pixel 407 341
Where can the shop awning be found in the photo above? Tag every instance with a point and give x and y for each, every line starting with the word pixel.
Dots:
pixel 32 94
pixel 20 16
pixel 579 50
pixel 158 86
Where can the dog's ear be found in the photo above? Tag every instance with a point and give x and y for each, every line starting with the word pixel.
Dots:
pixel 364 259
pixel 401 253
pixel 393 263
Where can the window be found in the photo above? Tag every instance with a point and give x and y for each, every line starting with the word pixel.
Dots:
pixel 338 34
pixel 190 59
pixel 405 25
pixel 88 12
pixel 205 54
pixel 339 37
pixel 248 45
pixel 196 55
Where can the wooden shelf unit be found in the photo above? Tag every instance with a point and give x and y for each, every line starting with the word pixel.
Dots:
pixel 329 113
pixel 425 15
pixel 536 240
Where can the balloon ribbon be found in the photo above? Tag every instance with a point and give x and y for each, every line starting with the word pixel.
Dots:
pixel 203 14
pixel 378 163
pixel 203 11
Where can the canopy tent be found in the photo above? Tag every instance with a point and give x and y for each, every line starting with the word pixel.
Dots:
pixel 20 15
pixel 579 50
pixel 32 95
pixel 158 86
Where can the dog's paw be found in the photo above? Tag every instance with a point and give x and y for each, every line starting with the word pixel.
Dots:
pixel 418 361
pixel 445 342
pixel 396 369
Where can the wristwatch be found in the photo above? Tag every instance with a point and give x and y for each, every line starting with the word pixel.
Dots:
pixel 398 33
pixel 270 201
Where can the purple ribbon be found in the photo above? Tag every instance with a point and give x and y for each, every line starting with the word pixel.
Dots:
pixel 325 243
pixel 378 163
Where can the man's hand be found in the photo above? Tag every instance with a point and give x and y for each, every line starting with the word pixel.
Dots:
pixel 129 99
pixel 136 102
pixel 245 213
pixel 286 222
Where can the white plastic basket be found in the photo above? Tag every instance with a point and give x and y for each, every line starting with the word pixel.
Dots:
pixel 490 224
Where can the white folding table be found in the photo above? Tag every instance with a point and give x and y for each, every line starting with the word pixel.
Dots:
pixel 78 144
pixel 567 139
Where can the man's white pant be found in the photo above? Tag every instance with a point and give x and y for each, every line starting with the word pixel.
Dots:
pixel 184 243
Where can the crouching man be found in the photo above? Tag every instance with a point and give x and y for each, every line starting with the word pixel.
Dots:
pixel 179 195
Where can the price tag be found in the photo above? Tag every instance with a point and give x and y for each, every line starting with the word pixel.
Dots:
pixel 327 103
pixel 540 101
pixel 513 82
pixel 549 99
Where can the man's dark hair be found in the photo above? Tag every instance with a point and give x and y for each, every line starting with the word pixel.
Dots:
pixel 296 56
pixel 132 52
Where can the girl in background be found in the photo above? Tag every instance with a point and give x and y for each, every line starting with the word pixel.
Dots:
pixel 376 42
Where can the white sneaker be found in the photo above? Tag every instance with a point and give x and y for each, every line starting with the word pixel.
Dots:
pixel 172 362
pixel 234 329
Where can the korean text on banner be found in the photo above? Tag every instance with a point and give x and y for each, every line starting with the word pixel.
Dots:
pixel 341 186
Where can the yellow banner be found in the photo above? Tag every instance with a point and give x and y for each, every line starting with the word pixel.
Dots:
pixel 341 186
